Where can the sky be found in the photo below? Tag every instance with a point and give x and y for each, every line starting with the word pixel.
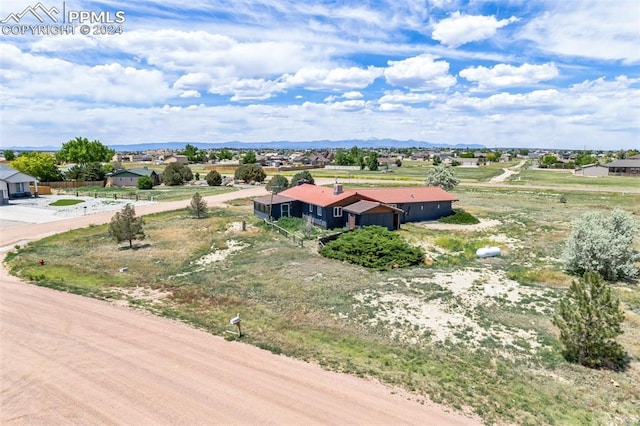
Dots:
pixel 504 74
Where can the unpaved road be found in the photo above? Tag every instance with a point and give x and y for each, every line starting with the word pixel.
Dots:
pixel 65 359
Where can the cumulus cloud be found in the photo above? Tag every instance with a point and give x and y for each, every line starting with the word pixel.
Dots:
pixel 459 29
pixel 589 29
pixel 354 94
pixel 504 75
pixel 419 73
pixel 42 77
pixel 333 79
pixel 398 97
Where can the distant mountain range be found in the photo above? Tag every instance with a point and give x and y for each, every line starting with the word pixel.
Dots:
pixel 306 145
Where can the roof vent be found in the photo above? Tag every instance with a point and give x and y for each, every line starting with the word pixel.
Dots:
pixel 337 188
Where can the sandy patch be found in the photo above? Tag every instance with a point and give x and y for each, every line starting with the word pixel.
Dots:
pixel 444 308
pixel 484 224
pixel 140 293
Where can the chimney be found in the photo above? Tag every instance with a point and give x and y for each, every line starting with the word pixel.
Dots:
pixel 337 188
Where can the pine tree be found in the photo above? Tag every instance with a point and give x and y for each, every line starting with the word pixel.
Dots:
pixel 125 226
pixel 198 206
pixel 589 319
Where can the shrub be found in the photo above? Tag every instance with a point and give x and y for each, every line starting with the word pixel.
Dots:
pixel 589 319
pixel 250 173
pixel 304 175
pixel 603 244
pixel 373 247
pixel 277 183
pixel 176 174
pixel 213 178
pixel 460 217
pixel 145 182
pixel 125 226
pixel 443 176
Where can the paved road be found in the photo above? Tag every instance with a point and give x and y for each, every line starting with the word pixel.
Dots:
pixel 66 359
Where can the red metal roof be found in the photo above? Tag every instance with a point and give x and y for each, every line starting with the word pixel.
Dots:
pixel 407 195
pixel 317 195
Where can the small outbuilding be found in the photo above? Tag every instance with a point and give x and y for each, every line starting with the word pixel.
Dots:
pixel 592 170
pixel 130 177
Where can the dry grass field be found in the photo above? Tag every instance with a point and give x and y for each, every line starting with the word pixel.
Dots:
pixel 471 333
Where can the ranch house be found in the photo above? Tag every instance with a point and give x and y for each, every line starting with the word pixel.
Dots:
pixel 337 208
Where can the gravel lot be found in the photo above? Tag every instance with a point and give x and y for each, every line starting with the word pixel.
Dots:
pixel 39 210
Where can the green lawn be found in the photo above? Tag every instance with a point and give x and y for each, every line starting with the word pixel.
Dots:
pixel 158 193
pixel 61 203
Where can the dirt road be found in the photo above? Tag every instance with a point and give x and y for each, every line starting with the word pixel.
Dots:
pixel 66 359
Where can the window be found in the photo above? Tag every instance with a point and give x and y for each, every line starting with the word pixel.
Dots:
pixel 319 211
pixel 337 212
pixel 310 208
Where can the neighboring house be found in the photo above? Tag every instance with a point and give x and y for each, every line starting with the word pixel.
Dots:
pixel 627 167
pixel 129 177
pixel 176 158
pixel 14 184
pixel 592 170
pixel 337 208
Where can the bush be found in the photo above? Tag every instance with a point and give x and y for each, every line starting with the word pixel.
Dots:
pixel 198 206
pixel 304 175
pixel 373 247
pixel 589 319
pixel 442 176
pixel 277 184
pixel 213 178
pixel 603 244
pixel 145 182
pixel 250 173
pixel 176 174
pixel 460 217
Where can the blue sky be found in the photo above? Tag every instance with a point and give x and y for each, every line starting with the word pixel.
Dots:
pixel 512 73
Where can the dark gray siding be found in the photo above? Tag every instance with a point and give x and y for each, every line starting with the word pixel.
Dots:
pixel 418 212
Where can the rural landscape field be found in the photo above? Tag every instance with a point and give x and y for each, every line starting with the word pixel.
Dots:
pixel 473 334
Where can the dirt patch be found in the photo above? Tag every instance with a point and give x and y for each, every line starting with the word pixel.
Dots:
pixel 446 308
pixel 140 293
pixel 484 224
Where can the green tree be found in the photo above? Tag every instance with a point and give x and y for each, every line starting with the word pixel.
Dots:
pixel 145 182
pixel 9 155
pixel 304 175
pixel 585 158
pixel 250 173
pixel 589 319
pixel 38 164
pixel 372 161
pixel 442 176
pixel 176 174
pixel 89 172
pixel 604 244
pixel 249 158
pixel 225 154
pixel 437 160
pixel 548 161
pixel 81 151
pixel 198 206
pixel 213 178
pixel 125 226
pixel 191 152
pixel 277 184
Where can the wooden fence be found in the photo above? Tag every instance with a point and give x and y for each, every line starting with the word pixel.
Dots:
pixel 71 184
pixel 290 235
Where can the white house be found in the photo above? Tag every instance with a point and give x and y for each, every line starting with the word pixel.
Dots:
pixel 15 184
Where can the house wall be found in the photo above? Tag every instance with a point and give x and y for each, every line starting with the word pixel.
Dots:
pixel 129 180
pixel 593 171
pixel 4 193
pixel 624 171
pixel 418 212
pixel 381 219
